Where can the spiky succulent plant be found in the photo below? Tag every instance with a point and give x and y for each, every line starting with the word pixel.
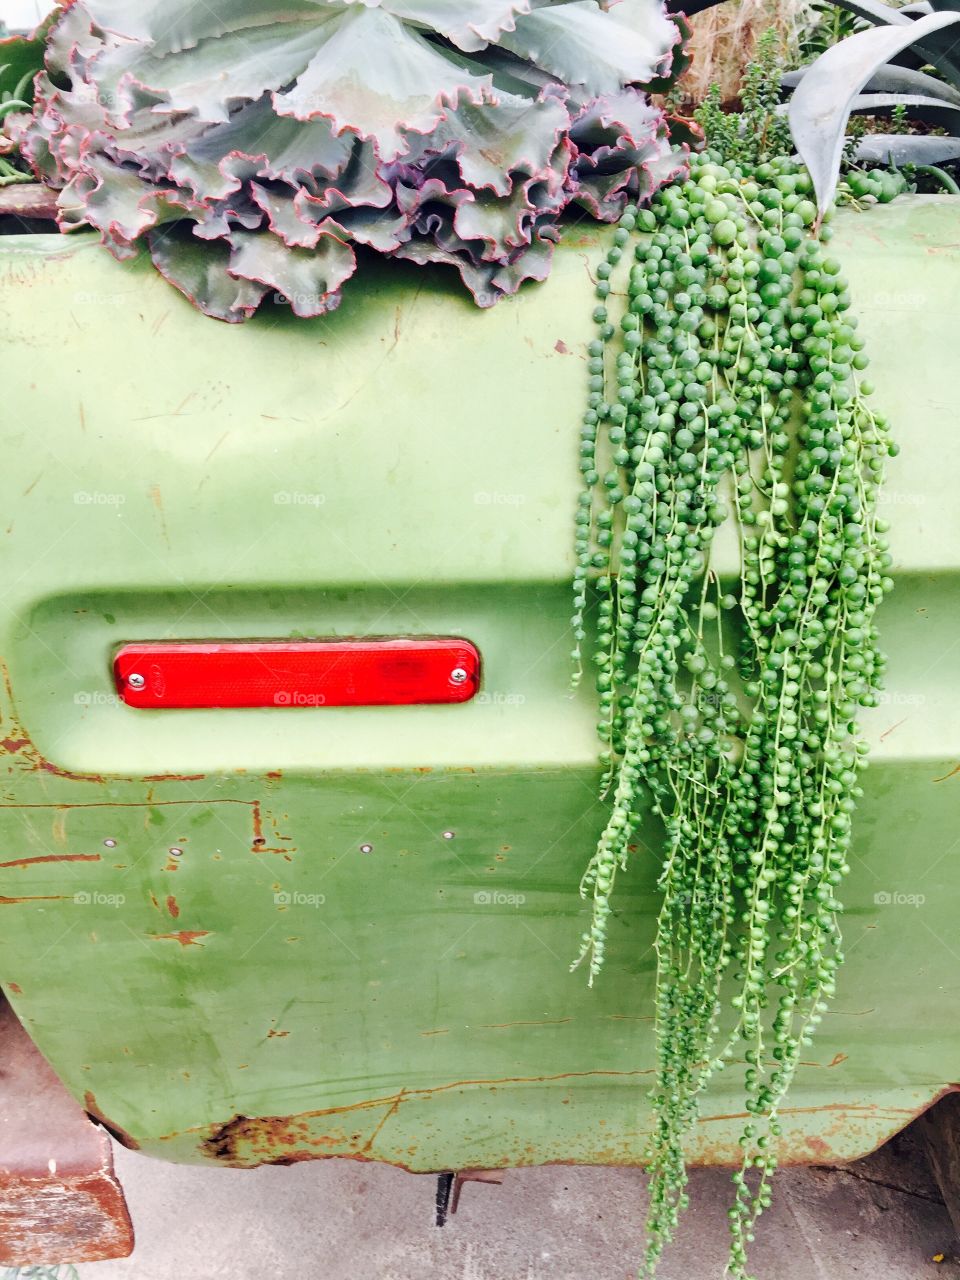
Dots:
pixel 255 143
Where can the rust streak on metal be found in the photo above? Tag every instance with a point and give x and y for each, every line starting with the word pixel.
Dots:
pixel 121 1135
pixel 174 777
pixel 173 906
pixel 13 745
pixel 391 1111
pixel 408 1095
pixel 952 774
pixel 186 937
pixel 841 1108
pixel 546 1022
pixel 15 988
pixel 886 733
pixel 52 857
pixel 36 897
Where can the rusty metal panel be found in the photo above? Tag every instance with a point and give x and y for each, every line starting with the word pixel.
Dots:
pixel 59 1199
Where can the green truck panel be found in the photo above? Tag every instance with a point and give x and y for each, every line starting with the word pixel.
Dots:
pixel 245 936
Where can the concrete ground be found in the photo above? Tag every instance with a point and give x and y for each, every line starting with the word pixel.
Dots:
pixel 881 1218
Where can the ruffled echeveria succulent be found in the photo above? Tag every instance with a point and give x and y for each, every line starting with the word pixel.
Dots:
pixel 256 143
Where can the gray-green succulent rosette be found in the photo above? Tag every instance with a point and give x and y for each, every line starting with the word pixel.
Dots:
pixel 255 144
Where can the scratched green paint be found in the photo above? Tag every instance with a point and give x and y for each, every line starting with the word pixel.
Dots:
pixel 404 466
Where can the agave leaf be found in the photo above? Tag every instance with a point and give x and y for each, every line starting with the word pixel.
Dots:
pixel 820 106
pixel 199 271
pixel 907 148
pixel 308 279
pixel 937 48
pixel 933 111
pixel 893 79
pixel 875 11
pixel 407 90
pixel 573 41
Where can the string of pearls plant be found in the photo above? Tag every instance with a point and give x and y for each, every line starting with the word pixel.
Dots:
pixel 726 394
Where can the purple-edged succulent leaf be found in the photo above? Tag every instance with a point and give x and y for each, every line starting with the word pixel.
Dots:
pixel 493 143
pixel 470 25
pixel 252 142
pixel 412 84
pixel 585 45
pixel 199 271
pixel 308 279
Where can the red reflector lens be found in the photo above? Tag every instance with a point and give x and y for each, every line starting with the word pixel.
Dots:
pixel 310 673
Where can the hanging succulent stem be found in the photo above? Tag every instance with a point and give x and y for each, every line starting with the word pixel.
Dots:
pixel 725 389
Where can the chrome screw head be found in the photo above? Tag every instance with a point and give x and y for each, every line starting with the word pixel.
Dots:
pixel 459 676
pixel 136 681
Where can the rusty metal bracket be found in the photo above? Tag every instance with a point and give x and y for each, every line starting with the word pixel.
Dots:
pixel 59 1198
pixel 450 1185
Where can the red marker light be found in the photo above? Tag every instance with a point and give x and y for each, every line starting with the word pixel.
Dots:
pixel 309 673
